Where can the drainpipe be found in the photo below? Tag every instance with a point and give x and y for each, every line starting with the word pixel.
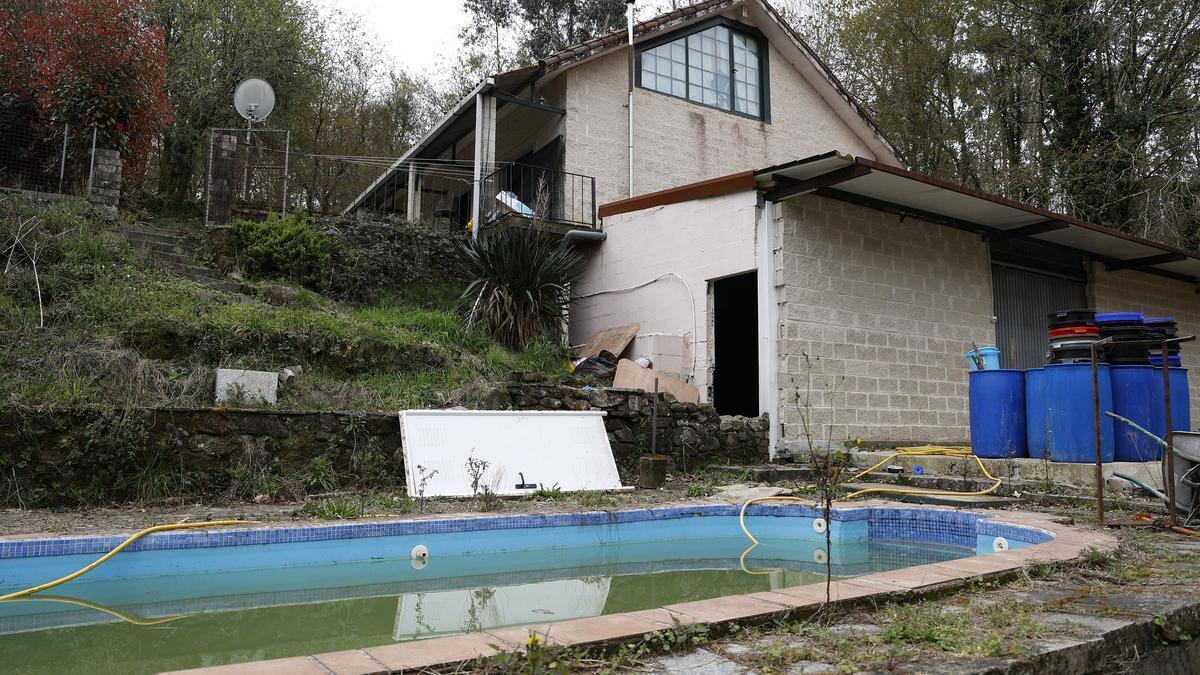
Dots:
pixel 629 25
pixel 768 320
pixel 584 235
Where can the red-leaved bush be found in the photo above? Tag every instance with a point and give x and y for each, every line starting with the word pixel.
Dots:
pixel 87 62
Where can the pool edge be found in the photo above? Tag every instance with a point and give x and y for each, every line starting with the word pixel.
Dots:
pixel 795 602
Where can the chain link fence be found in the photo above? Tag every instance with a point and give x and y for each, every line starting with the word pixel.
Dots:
pixel 45 156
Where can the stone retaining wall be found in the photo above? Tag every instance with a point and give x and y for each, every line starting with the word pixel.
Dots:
pixel 93 456
pixel 692 435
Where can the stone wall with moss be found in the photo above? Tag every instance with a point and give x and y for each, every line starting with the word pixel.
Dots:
pixel 692 435
pixel 89 456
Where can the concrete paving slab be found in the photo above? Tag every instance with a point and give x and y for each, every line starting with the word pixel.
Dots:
pixel 698 662
pixel 743 493
pixel 234 386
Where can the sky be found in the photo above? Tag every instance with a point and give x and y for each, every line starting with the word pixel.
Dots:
pixel 418 34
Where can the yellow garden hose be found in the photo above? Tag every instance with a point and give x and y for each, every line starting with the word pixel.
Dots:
pixel 103 559
pixel 926 451
pixel 917 451
pixel 128 618
pixel 753 541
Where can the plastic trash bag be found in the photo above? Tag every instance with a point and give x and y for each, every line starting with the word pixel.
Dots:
pixel 602 366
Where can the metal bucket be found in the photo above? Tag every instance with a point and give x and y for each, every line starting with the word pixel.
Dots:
pixel 1187 456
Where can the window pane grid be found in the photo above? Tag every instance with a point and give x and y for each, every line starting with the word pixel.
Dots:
pixel 716 67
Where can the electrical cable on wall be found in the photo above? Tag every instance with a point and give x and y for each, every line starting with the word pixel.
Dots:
pixel 691 299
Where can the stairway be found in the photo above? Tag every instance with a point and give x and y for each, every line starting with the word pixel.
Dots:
pixel 174 252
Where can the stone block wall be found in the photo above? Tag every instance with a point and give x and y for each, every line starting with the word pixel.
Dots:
pixel 106 178
pixel 692 435
pixel 876 312
pixel 1132 291
pixel 221 180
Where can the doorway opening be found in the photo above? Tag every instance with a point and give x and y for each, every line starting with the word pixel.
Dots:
pixel 735 345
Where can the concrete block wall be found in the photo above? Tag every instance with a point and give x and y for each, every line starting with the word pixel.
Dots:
pixel 677 142
pixel 1131 291
pixel 884 308
pixel 699 240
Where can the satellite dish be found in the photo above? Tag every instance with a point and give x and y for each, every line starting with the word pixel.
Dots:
pixel 254 99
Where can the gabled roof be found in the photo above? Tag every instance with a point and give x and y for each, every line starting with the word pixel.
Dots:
pixel 814 70
pixel 835 93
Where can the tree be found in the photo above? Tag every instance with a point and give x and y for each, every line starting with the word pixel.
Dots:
pixel 212 45
pixel 543 26
pixel 357 106
pixel 88 63
pixel 1087 107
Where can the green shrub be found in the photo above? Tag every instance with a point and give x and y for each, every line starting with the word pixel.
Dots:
pixel 285 248
pixel 520 281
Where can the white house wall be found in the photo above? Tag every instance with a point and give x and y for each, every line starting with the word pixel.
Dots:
pixel 699 240
pixel 677 142
pixel 884 307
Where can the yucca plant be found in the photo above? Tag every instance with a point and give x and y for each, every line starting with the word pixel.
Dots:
pixel 521 283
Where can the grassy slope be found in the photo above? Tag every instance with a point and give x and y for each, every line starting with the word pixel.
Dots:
pixel 111 321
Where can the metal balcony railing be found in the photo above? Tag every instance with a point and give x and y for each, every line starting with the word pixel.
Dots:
pixel 538 194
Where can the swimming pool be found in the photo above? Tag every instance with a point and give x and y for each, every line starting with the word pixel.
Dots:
pixel 188 599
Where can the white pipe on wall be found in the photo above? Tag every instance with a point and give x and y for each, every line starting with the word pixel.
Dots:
pixel 629 5
pixel 768 320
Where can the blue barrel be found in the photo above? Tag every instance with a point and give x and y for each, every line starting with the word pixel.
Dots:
pixel 1137 394
pixel 1035 412
pixel 1181 404
pixel 998 413
pixel 1070 419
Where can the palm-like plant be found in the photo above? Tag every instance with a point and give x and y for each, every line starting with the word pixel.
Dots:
pixel 521 284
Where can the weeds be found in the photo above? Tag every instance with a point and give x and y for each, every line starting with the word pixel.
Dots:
pixel 550 494
pixel 319 474
pixel 592 498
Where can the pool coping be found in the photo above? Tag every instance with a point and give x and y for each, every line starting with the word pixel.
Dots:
pixel 753 608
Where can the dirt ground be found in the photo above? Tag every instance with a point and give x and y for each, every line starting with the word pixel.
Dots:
pixel 333 507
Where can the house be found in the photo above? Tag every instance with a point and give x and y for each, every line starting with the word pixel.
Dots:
pixel 765 234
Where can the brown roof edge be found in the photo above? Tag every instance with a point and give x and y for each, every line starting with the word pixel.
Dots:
pixel 714 187
pixel 1036 210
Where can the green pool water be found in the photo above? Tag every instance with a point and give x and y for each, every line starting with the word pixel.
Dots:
pixel 249 615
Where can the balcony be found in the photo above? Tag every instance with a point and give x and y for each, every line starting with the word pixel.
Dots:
pixel 557 200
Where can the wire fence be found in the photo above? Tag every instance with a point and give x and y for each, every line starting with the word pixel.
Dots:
pixel 42 155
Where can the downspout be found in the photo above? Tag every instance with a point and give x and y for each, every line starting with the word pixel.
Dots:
pixel 629 26
pixel 768 319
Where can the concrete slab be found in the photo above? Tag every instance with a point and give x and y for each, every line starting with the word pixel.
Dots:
pixel 699 662
pixel 743 493
pixel 257 386
pixel 1082 475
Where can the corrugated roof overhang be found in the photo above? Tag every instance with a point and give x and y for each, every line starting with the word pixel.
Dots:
pixel 895 190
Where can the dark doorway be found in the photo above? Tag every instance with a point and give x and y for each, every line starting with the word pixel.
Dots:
pixel 735 345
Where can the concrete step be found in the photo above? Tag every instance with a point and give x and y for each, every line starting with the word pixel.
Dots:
pixel 144 239
pixel 160 245
pixel 156 232
pixel 219 285
pixel 167 257
pixel 192 271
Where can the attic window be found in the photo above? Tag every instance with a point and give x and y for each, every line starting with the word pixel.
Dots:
pixel 718 64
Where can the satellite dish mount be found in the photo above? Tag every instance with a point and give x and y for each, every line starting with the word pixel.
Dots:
pixel 254 99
